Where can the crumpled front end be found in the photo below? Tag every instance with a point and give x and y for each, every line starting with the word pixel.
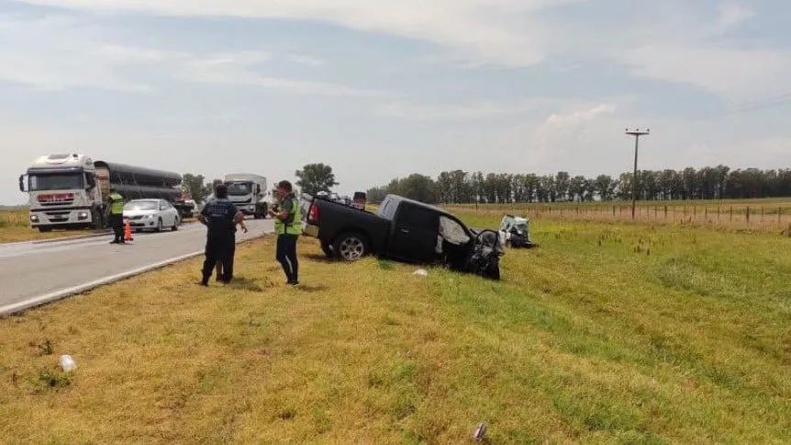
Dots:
pixel 484 259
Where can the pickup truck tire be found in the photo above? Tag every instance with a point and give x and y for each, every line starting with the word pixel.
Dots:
pixel 327 249
pixel 350 246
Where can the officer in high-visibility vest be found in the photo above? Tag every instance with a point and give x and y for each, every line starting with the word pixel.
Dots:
pixel 116 215
pixel 288 226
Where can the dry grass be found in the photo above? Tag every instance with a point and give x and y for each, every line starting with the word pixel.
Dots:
pixel 14 227
pixel 762 215
pixel 605 334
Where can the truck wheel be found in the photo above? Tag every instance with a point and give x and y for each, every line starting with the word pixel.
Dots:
pixel 350 246
pixel 97 223
pixel 327 249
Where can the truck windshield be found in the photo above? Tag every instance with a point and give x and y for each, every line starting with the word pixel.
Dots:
pixel 68 181
pixel 239 188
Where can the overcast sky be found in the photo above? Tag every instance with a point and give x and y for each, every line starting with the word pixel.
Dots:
pixel 380 89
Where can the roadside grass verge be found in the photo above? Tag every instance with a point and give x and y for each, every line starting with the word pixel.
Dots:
pixel 605 334
pixel 14 227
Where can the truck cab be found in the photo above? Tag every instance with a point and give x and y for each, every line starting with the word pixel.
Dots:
pixel 63 192
pixel 248 192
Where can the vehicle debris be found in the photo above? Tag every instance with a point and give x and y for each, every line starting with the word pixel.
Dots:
pixel 479 432
pixel 515 231
pixel 67 363
pixel 420 273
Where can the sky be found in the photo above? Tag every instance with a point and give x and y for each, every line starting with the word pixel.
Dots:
pixel 382 89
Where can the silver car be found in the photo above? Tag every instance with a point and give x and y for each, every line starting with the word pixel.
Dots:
pixel 151 214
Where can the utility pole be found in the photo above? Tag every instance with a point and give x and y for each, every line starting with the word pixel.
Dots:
pixel 636 133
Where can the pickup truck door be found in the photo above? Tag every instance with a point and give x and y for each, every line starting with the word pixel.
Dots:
pixel 414 233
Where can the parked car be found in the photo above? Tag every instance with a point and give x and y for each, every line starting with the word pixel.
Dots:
pixel 151 214
pixel 404 230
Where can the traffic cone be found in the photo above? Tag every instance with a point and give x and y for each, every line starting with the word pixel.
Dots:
pixel 128 231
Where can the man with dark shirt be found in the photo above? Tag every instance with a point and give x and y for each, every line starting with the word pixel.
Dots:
pixel 221 218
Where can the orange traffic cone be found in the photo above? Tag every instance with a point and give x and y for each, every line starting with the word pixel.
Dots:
pixel 128 231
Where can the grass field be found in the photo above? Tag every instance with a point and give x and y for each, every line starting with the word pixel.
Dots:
pixel 14 227
pixel 607 333
pixel 766 215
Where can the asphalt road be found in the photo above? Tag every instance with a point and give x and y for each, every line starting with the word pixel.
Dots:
pixel 36 272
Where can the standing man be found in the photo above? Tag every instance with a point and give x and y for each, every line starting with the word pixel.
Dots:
pixel 115 204
pixel 288 226
pixel 221 218
pixel 209 199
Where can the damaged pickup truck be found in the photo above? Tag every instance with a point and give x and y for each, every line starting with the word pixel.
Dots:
pixel 404 230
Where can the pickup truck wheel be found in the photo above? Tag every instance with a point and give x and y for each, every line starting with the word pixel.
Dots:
pixel 350 247
pixel 327 249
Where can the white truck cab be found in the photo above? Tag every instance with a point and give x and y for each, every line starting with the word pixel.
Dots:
pixel 63 192
pixel 249 193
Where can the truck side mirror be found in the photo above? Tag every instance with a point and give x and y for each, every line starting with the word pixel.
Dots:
pixel 22 183
pixel 90 181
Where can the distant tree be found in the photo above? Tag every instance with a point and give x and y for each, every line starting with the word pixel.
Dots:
pixel 194 186
pixel 562 183
pixel 376 195
pixel 315 178
pixel 605 187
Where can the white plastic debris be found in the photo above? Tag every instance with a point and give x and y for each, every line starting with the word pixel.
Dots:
pixel 421 273
pixel 479 432
pixel 67 363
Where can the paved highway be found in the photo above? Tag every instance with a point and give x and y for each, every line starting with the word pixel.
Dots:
pixel 36 272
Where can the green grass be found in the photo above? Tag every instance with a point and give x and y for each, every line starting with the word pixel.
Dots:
pixel 605 334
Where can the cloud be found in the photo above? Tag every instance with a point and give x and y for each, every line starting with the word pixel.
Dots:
pixel 303 59
pixel 59 53
pixel 731 73
pixel 732 14
pixel 577 117
pixel 241 69
pixel 436 112
pixel 502 32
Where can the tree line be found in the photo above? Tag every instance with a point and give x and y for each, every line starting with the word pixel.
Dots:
pixel 460 187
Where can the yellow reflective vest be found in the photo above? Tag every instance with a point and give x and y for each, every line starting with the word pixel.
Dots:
pixel 116 204
pixel 293 224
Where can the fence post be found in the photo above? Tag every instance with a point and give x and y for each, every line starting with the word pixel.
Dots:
pixel 718 213
pixel 665 212
pixel 731 213
pixel 613 211
pixel 706 213
pixel 748 214
pixel 762 213
pixel 780 216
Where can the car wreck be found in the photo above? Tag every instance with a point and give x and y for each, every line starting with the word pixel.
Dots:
pixel 515 232
pixel 404 230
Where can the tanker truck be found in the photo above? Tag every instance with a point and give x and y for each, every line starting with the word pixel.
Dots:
pixel 69 191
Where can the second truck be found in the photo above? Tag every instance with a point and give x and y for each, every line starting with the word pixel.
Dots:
pixel 249 193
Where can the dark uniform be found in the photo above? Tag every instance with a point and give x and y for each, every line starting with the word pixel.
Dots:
pixel 220 239
pixel 116 219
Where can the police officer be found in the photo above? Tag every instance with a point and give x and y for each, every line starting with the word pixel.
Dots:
pixel 221 218
pixel 210 199
pixel 116 215
pixel 288 226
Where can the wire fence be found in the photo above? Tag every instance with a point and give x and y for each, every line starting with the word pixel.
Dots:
pixel 733 216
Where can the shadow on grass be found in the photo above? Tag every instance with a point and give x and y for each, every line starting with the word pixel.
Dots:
pixel 321 258
pixel 243 283
pixel 312 288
